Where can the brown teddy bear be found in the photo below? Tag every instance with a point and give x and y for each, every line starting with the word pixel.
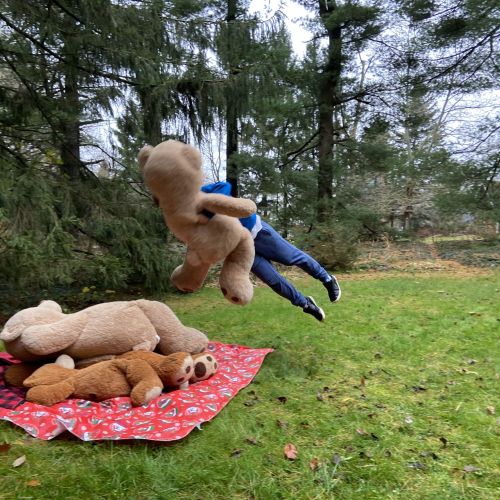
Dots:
pixel 172 172
pixel 140 375
pixel 97 332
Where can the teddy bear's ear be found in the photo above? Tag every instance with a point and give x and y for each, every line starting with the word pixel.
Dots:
pixel 192 155
pixel 143 155
pixel 8 335
pixel 50 304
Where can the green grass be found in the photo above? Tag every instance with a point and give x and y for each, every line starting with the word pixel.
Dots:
pixel 389 394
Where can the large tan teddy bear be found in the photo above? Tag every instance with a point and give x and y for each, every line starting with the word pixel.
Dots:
pixel 98 332
pixel 173 173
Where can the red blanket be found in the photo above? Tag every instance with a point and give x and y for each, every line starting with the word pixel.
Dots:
pixel 169 417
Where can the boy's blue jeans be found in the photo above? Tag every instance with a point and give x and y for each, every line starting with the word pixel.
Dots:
pixel 270 246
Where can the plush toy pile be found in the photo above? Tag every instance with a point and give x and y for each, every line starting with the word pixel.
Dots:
pixel 172 171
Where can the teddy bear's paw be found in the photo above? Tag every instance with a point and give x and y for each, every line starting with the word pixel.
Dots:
pixel 65 361
pixel 205 365
pixel 240 295
pixel 152 393
pixel 49 395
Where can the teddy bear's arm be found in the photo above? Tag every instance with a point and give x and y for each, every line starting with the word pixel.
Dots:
pixel 142 378
pixel 225 205
pixel 49 395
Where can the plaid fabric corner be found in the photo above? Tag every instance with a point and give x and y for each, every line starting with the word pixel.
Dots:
pixel 10 397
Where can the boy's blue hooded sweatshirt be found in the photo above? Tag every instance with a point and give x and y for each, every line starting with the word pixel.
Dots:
pixel 225 188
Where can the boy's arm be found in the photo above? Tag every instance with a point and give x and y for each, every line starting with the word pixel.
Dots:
pixel 225 205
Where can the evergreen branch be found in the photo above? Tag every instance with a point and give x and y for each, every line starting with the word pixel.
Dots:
pixel 494 171
pixel 295 154
pixel 479 143
pixel 15 155
pixel 466 54
pixel 302 148
pixel 41 45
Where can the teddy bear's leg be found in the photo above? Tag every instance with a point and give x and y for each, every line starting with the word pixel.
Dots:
pixel 144 381
pixel 191 274
pixel 205 365
pixel 174 336
pixel 234 276
pixel 47 339
pixel 50 394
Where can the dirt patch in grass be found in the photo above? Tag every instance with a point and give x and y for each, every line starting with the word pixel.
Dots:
pixel 458 258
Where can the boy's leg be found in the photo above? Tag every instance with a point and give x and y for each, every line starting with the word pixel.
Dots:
pixel 264 270
pixel 271 245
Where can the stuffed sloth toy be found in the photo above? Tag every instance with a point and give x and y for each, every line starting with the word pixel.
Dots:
pixel 98 332
pixel 140 375
pixel 172 172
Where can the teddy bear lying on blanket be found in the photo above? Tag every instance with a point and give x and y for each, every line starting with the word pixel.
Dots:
pixel 140 375
pixel 172 171
pixel 98 332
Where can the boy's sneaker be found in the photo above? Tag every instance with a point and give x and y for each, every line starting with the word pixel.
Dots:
pixel 312 309
pixel 333 288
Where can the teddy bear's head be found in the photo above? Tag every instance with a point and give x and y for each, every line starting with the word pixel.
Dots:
pixel 45 313
pixel 172 171
pixel 176 369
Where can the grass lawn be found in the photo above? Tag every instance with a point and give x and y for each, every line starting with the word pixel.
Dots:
pixel 393 396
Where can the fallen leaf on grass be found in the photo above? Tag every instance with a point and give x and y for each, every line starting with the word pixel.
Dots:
pixel 19 461
pixel 314 464
pixel 236 453
pixel 319 396
pixel 470 468
pixel 281 424
pixel 33 482
pixel 251 441
pixel 416 465
pixel 444 441
pixel 361 431
pixel 490 410
pixel 252 401
pixel 290 451
pixel 4 447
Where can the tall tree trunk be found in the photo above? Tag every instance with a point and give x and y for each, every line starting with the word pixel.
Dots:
pixel 151 112
pixel 231 103
pixel 69 124
pixel 329 97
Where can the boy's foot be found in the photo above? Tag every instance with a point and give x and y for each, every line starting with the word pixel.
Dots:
pixel 312 309
pixel 333 288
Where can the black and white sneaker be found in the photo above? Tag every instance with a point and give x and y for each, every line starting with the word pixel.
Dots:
pixel 333 288
pixel 312 309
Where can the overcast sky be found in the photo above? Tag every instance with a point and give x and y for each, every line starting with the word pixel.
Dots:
pixel 293 12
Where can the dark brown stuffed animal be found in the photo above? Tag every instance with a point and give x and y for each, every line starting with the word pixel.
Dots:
pixel 127 375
